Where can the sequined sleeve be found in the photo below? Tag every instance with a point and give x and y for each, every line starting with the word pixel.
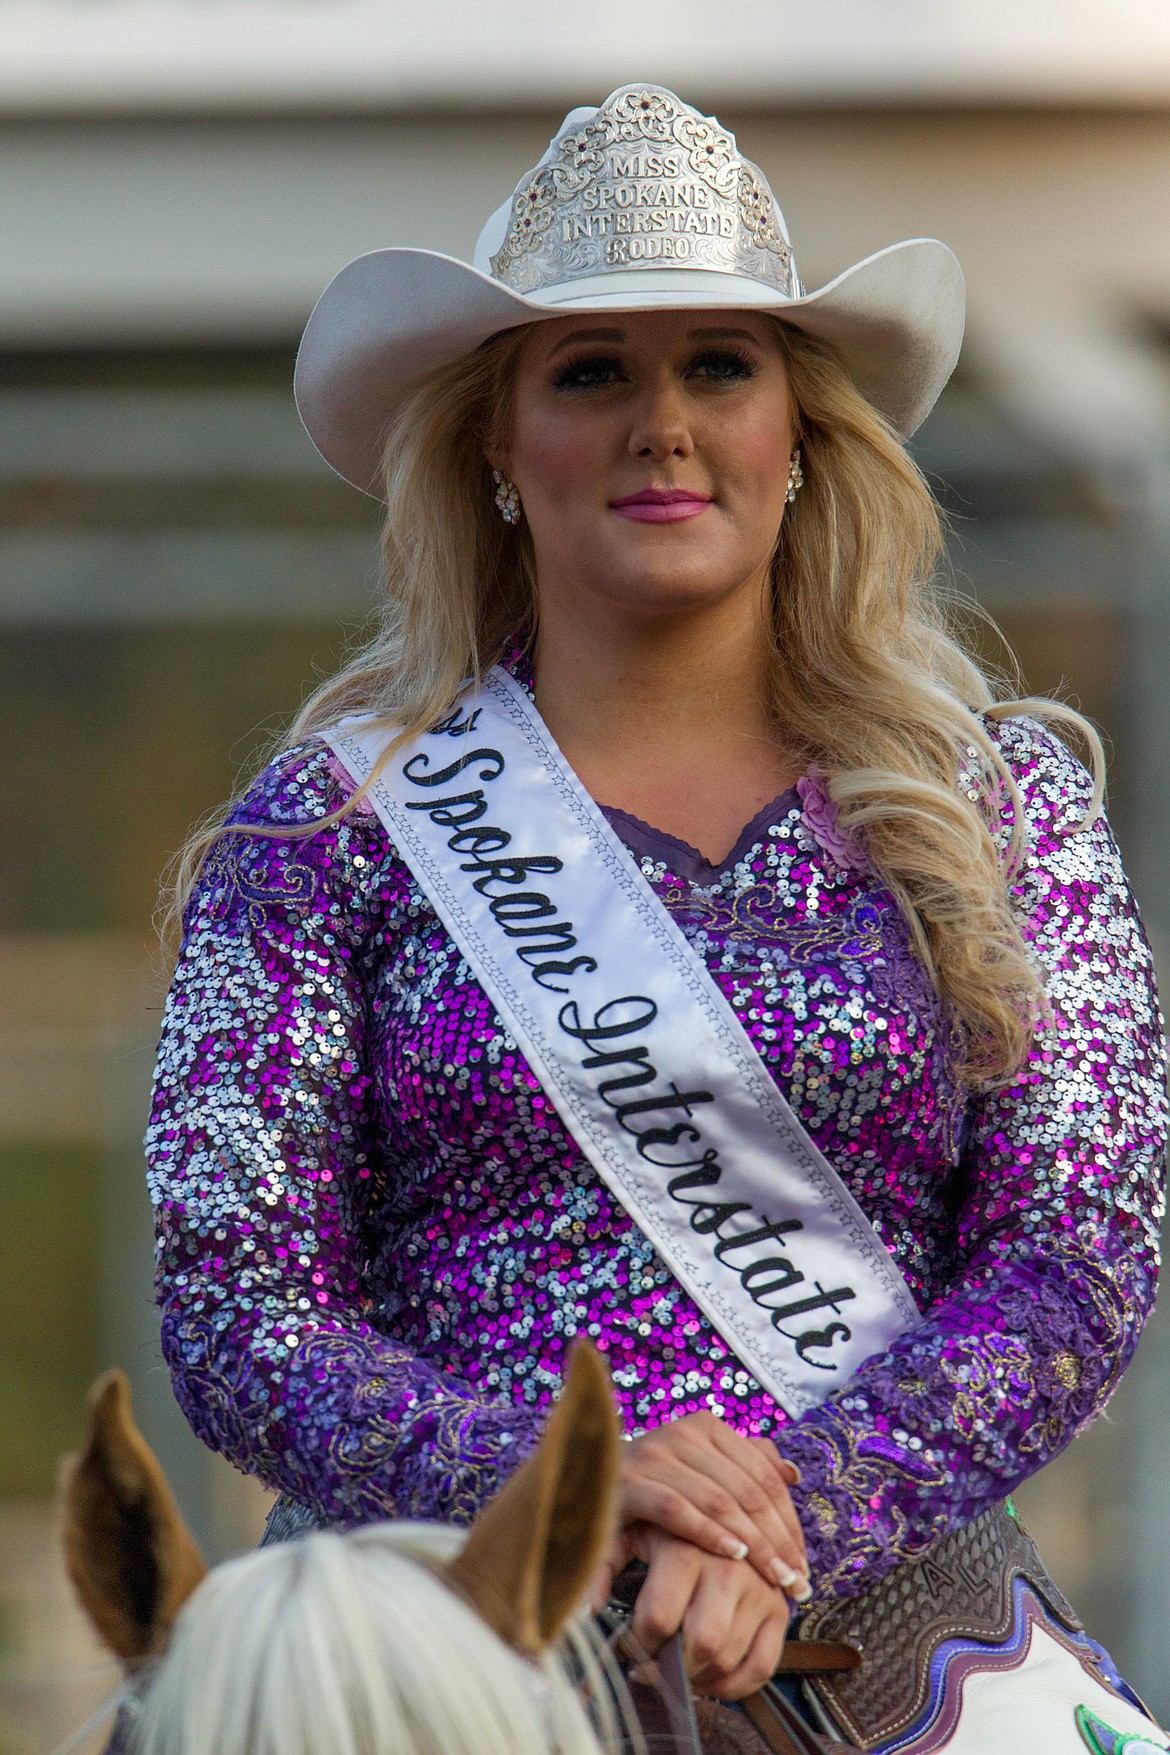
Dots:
pixel 259 1142
pixel 1054 1247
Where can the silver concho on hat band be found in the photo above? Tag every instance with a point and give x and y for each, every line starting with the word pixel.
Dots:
pixel 646 183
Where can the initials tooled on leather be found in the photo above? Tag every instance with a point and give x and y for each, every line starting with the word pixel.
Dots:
pixel 961 1589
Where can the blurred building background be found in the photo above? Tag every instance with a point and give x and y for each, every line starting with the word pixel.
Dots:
pixel 178 180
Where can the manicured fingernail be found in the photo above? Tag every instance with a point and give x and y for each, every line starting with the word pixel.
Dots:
pixel 784 1575
pixel 733 1550
pixel 804 1593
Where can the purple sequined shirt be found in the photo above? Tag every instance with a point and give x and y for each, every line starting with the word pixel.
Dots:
pixel 377 1240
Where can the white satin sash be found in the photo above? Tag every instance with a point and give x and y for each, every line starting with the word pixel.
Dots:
pixel 647 1064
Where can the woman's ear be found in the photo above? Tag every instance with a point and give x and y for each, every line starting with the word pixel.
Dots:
pixel 131 1557
pixel 535 1549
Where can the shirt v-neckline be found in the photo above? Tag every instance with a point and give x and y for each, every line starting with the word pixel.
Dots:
pixel 680 857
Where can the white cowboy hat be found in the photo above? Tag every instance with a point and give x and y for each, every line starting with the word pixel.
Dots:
pixel 640 205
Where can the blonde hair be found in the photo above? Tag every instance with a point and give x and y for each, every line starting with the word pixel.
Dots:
pixel 869 680
pixel 352 1644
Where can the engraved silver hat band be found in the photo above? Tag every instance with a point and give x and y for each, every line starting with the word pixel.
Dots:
pixel 639 204
pixel 614 290
pixel 644 182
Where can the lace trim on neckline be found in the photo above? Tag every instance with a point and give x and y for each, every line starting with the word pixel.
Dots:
pixel 694 861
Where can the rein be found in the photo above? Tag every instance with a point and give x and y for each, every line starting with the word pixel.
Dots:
pixel 771 1714
pixel 776 1721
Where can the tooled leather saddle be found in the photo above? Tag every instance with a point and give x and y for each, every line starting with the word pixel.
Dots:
pixel 864 1662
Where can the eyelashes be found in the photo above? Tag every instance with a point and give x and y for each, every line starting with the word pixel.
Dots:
pixel 719 365
pixel 587 373
pixel 725 365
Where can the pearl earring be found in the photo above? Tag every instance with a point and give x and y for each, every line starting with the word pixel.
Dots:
pixel 795 477
pixel 507 499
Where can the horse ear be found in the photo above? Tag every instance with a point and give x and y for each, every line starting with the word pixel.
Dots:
pixel 534 1549
pixel 131 1557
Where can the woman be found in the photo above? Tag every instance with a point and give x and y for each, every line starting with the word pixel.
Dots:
pixel 630 458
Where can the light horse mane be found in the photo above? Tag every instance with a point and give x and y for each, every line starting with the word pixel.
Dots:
pixel 353 1644
pixel 393 1639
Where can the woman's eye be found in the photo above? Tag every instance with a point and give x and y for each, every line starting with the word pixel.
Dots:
pixel 718 365
pixel 588 374
pixel 723 366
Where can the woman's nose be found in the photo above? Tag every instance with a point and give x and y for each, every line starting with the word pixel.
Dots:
pixel 660 428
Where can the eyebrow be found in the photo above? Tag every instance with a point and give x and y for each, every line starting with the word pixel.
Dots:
pixel 587 335
pixel 619 335
pixel 723 335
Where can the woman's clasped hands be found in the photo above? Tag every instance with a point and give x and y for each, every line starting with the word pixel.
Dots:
pixel 710 1513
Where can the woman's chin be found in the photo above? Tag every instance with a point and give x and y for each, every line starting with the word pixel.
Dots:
pixel 660 601
pixel 676 584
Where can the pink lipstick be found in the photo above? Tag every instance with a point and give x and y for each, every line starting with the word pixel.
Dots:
pixel 660 505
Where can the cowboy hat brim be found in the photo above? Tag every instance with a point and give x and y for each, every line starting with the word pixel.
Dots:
pixel 390 318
